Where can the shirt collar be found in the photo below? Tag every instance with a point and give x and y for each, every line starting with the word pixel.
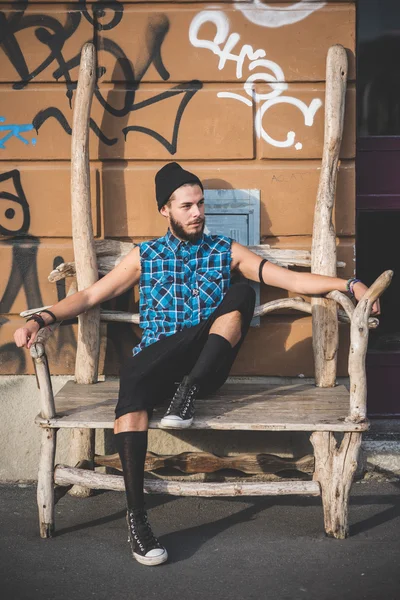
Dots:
pixel 175 243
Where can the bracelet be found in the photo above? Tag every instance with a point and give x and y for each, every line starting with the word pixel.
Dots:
pixel 351 283
pixel 45 310
pixel 262 263
pixel 38 319
pixel 348 282
pixel 352 286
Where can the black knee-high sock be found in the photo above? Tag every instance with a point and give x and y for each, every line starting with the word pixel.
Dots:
pixel 215 350
pixel 132 446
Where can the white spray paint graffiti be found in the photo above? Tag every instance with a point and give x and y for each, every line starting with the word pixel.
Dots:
pixel 262 14
pixel 222 46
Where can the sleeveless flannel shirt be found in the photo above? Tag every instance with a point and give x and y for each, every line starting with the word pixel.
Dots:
pixel 181 283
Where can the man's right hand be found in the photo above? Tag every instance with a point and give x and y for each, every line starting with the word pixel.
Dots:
pixel 25 336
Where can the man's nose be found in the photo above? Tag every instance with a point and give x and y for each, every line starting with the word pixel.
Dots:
pixel 195 211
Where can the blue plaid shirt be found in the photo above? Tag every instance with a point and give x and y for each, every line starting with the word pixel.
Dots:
pixel 181 283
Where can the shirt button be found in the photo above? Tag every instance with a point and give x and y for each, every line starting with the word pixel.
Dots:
pixel 195 292
pixel 185 260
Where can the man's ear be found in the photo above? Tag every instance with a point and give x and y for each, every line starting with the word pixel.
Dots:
pixel 164 210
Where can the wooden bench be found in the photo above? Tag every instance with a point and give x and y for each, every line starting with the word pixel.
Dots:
pixel 334 415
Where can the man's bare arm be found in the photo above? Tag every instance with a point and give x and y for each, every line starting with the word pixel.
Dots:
pixel 248 263
pixel 124 276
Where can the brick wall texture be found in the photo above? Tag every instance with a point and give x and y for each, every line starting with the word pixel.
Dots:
pixel 233 90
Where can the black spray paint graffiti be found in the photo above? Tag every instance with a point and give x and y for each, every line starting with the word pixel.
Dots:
pixel 191 88
pixel 106 16
pixel 53 35
pixel 57 114
pixel 49 32
pixel 14 202
pixel 23 271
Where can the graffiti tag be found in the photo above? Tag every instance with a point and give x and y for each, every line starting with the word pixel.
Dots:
pixel 14 131
pixel 278 16
pixel 53 35
pixel 223 45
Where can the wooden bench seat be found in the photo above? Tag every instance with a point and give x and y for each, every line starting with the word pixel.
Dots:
pixel 236 406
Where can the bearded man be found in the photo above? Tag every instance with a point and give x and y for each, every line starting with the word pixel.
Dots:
pixel 194 322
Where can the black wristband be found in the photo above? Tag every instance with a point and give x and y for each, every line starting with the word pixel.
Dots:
pixel 38 319
pixel 45 310
pixel 262 263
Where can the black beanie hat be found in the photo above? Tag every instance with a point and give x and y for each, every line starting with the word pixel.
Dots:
pixel 170 178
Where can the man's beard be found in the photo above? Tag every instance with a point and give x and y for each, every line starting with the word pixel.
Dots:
pixel 179 231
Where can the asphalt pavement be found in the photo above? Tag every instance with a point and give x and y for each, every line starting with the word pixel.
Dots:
pixel 242 548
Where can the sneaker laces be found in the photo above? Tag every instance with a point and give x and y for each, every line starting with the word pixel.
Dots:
pixel 141 530
pixel 183 396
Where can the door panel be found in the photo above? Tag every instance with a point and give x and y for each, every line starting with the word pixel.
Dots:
pixel 378 190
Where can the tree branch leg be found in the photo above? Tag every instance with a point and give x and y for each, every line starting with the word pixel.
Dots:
pixel 81 449
pixel 335 465
pixel 45 488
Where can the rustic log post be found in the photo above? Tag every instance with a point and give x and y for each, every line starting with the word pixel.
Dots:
pixel 358 347
pixel 335 466
pixel 45 486
pixel 87 355
pixel 82 229
pixel 323 252
pixel 47 405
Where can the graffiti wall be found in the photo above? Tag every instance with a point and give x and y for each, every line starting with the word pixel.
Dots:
pixel 236 88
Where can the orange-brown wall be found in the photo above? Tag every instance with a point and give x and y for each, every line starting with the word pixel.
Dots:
pixel 165 93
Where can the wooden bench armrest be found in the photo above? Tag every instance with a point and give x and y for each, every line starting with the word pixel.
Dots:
pixel 344 301
pixel 42 371
pixel 296 303
pixel 43 379
pixel 346 314
pixel 358 347
pixel 43 335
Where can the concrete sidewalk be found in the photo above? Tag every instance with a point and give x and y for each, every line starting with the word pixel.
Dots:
pixel 262 548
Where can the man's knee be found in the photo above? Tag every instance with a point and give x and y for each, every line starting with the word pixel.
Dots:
pixel 243 294
pixel 132 421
